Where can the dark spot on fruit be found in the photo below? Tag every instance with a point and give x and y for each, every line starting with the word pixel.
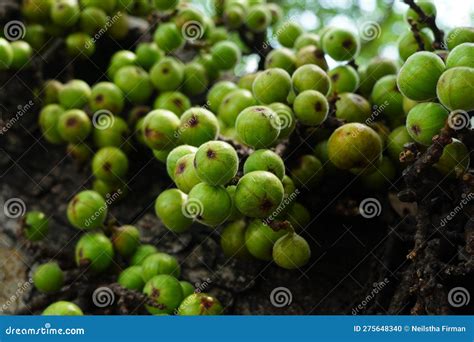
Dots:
pixel 259 109
pixel 84 262
pixel 335 77
pixel 71 122
pixel 211 154
pixel 193 121
pixel 155 293
pixel 206 303
pixel 178 103
pixel 266 205
pixel 226 100
pixel 180 169
pixel 199 217
pixel 318 106
pixel 165 70
pixel 99 98
pixel 347 43
pixel 152 134
pixel 148 132
pixel 318 53
pixel 107 166
pixel 416 129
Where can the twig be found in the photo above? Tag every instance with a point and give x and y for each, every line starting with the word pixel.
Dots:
pixel 416 34
pixel 431 22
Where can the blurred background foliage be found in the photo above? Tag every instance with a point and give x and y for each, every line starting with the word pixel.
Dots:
pixel 356 14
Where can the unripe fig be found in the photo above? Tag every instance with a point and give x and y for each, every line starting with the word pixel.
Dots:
pixel 234 103
pixel 216 162
pixel 258 126
pixel 94 251
pixel 209 204
pixel 173 101
pixel 291 251
pixel 344 79
pixel 407 44
pixel 131 278
pixel 218 92
pixel 233 240
pixel 288 32
pixel 198 125
pixel 425 120
pixel 258 194
pixel 311 107
pixel 48 277
pixel 396 140
pixel 160 263
pixel 419 75
pixel 265 160
pixel 175 155
pixel 311 77
pixel 455 159
pixel 62 308
pixel 458 36
pixel 354 145
pixel 160 129
pixel 461 55
pixel 388 99
pixel 126 240
pixel 165 292
pixel 340 44
pixel 169 208
pixel 272 85
pixel 353 108
pixel 142 253
pixel 185 175
pixel 260 238
pixel 454 88
pixel 282 58
pixel 200 304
